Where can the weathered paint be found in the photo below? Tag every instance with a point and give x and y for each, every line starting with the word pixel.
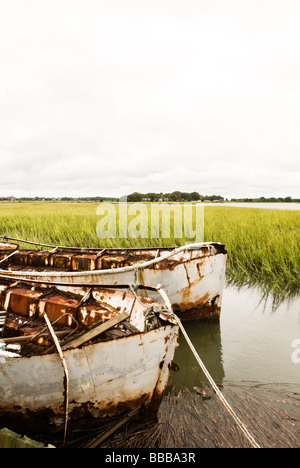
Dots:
pixel 106 378
pixel 193 276
pixel 85 306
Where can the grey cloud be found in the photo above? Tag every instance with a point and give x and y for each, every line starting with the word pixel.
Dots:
pixel 105 98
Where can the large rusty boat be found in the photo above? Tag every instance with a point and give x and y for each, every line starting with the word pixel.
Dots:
pixel 193 275
pixel 93 352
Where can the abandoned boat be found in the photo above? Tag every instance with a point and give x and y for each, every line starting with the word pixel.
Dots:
pixel 92 353
pixel 193 276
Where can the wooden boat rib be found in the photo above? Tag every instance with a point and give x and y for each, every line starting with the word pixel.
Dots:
pixel 121 369
pixel 193 275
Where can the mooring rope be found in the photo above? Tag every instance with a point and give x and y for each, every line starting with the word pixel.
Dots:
pixel 217 390
pixel 66 373
pixel 237 420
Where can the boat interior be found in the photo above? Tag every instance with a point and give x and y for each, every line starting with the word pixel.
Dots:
pixel 23 305
pixel 62 259
pixel 83 259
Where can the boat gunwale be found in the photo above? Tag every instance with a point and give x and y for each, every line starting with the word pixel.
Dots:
pixel 70 351
pixel 140 266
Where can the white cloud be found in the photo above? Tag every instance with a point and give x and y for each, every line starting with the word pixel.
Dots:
pixel 111 97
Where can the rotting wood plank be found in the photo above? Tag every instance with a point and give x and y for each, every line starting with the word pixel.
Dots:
pixel 98 440
pixel 10 439
pixel 90 334
pixel 13 339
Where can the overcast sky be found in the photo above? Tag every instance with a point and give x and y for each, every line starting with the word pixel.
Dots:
pixel 108 97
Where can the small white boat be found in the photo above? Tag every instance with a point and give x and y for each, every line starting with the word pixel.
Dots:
pixel 193 276
pixel 109 373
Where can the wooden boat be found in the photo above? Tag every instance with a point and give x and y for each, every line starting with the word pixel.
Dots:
pixel 115 351
pixel 193 275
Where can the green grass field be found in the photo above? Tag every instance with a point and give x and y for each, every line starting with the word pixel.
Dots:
pixel 263 245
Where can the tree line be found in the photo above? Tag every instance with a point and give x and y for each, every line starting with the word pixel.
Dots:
pixel 267 200
pixel 195 196
pixel 171 197
pixel 176 196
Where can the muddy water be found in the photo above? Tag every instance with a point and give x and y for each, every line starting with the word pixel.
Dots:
pixel 253 342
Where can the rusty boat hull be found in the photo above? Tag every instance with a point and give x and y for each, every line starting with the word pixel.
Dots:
pixel 124 366
pixel 106 379
pixel 193 275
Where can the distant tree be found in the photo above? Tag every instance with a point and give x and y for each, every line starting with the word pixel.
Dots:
pixel 135 197
pixel 194 196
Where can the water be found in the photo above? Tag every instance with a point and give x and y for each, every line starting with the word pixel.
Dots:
pixel 270 206
pixel 252 342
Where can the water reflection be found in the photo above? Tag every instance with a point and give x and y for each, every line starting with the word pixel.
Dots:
pixel 251 342
pixel 206 338
pixel 268 294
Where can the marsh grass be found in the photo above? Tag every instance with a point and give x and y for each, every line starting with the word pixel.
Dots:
pixel 263 245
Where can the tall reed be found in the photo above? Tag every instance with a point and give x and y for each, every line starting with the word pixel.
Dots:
pixel 263 245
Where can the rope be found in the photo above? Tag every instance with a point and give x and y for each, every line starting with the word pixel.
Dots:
pixel 237 420
pixel 66 374
pixel 150 310
pixel 217 391
pixel 230 410
pixel 10 255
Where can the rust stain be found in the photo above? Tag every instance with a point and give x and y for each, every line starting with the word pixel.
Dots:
pixel 46 420
pixel 84 262
pixel 5 246
pixel 88 260
pixel 92 313
pixel 21 301
pixel 56 306
pixel 20 258
pixel 38 259
pixel 91 260
pixel 205 309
